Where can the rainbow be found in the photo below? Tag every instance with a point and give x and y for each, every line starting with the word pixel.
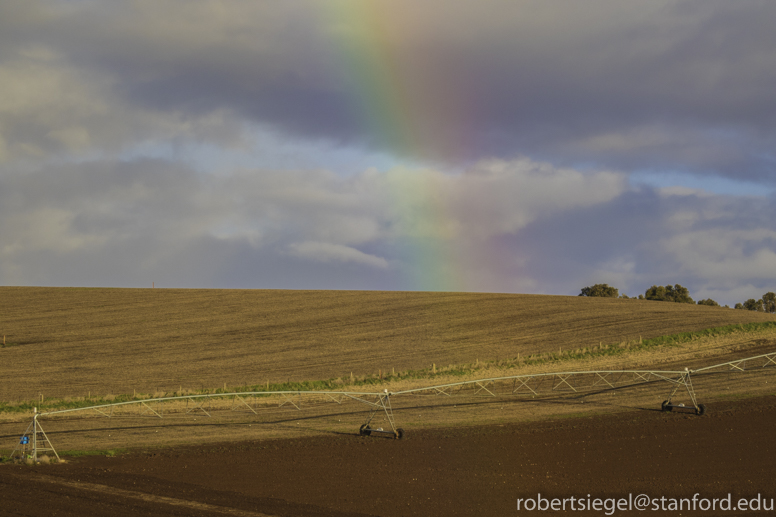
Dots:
pixel 401 94
pixel 408 105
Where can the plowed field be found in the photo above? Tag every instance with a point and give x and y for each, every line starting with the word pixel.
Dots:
pixel 468 471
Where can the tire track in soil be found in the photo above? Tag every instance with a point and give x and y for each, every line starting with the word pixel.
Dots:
pixel 159 501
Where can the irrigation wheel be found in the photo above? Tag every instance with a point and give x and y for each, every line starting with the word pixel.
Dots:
pixel 701 410
pixel 666 406
pixel 365 430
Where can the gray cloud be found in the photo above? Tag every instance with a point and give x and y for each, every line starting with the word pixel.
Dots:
pixel 546 107
pixel 636 85
pixel 718 246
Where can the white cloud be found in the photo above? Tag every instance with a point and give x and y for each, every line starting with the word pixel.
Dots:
pixel 724 254
pixel 494 197
pixel 500 196
pixel 327 252
pixel 50 109
pixel 680 191
pixel 48 230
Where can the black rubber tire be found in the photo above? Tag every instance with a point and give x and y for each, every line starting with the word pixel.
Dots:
pixel 364 430
pixel 399 433
pixel 666 406
pixel 701 410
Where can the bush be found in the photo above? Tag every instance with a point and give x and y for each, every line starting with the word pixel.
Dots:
pixel 709 302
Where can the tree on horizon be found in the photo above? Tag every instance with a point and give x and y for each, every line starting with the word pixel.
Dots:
pixel 765 304
pixel 600 290
pixel 670 293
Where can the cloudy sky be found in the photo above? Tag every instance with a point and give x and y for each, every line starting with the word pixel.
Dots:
pixel 489 145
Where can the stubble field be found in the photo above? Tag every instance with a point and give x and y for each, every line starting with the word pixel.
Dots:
pixel 74 342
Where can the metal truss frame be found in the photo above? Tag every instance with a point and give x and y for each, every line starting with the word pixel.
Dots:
pixel 757 362
pixel 34 440
pixel 555 382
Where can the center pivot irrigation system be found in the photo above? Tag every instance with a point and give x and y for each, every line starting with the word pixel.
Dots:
pixel 34 441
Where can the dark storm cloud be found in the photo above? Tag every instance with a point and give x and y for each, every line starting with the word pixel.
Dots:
pixel 629 85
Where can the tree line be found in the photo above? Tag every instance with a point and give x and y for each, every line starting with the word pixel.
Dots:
pixel 680 294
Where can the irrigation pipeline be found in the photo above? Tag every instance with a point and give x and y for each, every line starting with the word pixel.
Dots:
pixel 34 441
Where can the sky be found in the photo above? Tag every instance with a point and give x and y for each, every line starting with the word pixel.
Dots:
pixel 521 146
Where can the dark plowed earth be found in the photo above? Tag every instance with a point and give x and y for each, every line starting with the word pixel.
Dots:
pixel 461 471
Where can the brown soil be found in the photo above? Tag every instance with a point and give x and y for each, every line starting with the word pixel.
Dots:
pixel 479 470
pixel 72 342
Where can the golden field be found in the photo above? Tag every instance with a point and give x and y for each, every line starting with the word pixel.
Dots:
pixel 70 342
